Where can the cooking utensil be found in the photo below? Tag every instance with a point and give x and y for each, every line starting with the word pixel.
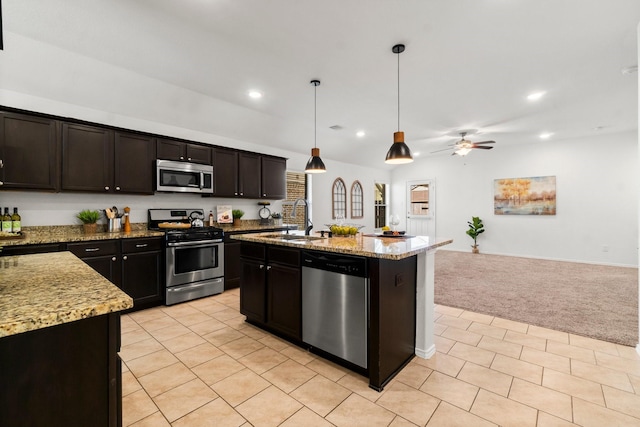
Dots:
pixel 114 210
pixel 109 213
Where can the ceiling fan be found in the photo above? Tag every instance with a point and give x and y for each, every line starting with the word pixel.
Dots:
pixel 464 146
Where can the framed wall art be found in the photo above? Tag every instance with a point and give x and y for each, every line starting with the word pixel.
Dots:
pixel 525 196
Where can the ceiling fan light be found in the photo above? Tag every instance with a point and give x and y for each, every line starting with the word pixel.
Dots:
pixel 399 153
pixel 315 163
pixel 462 151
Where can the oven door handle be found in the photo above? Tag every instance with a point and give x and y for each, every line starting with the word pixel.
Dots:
pixel 198 244
pixel 186 288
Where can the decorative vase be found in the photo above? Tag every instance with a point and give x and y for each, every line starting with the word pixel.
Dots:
pixel 90 228
pixel 475 249
pixel 236 222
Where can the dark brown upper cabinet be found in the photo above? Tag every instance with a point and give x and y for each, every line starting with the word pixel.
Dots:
pixel 180 151
pixel 95 159
pixel 87 158
pixel 29 152
pixel 134 163
pixel 248 175
pixel 274 178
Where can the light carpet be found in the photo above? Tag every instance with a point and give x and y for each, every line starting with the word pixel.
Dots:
pixel 591 300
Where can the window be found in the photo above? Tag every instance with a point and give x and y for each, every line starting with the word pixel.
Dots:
pixel 357 209
pixel 380 204
pixel 339 199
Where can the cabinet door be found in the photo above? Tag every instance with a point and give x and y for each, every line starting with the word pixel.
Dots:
pixel 225 170
pixel 170 150
pixel 284 300
pixel 249 175
pixel 134 163
pixel 252 289
pixel 87 158
pixel 30 152
pixel 231 265
pixel 142 277
pixel 198 154
pixel 274 178
pixel 103 256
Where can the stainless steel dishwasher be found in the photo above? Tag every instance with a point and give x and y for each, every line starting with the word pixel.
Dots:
pixel 335 305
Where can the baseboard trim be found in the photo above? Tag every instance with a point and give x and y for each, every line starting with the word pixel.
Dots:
pixel 608 264
pixel 426 354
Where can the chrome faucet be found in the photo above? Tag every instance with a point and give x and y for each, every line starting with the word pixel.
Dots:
pixel 307 221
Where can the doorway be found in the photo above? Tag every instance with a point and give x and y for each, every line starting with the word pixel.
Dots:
pixel 421 220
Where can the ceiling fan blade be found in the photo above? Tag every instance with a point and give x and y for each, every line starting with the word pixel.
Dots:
pixel 482 147
pixel 484 142
pixel 444 149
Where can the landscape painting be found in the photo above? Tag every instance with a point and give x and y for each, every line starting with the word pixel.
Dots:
pixel 525 196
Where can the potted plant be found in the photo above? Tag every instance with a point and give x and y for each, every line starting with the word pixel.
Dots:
pixel 277 218
pixel 476 228
pixel 89 219
pixel 237 214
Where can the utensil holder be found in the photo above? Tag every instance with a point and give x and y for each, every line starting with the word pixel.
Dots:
pixel 114 225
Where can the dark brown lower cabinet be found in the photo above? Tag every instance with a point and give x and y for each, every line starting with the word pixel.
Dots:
pixel 231 263
pixel 63 375
pixel 270 288
pixel 134 265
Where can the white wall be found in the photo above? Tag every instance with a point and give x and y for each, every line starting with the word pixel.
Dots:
pixel 597 198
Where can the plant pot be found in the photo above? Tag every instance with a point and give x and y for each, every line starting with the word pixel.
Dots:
pixel 237 222
pixel 475 249
pixel 90 228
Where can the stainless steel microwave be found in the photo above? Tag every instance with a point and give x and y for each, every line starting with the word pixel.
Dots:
pixel 183 177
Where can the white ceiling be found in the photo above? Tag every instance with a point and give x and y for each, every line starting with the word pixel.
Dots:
pixel 468 64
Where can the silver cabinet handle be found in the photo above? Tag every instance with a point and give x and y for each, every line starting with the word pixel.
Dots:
pixel 124 257
pixel 268 267
pixel 106 188
pixel 181 157
pixel 189 158
pixel 113 258
pixel 144 245
pixel 92 249
pixel 1 183
pixel 1 164
pixel 261 266
pixel 117 188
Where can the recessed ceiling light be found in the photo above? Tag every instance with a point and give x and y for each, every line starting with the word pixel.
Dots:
pixel 255 94
pixel 546 135
pixel 360 134
pixel 536 95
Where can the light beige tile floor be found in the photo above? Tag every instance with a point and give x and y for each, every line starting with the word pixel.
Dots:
pixel 199 364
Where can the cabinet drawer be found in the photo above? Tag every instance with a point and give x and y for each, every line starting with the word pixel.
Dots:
pixel 94 249
pixel 252 250
pixel 284 256
pixel 142 245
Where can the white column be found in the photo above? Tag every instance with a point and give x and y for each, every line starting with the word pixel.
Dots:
pixel 425 345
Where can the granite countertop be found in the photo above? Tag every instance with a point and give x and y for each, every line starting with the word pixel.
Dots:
pixel 394 248
pixel 248 227
pixel 37 291
pixel 73 233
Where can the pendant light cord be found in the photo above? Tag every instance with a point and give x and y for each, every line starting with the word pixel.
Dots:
pixel 398 54
pixel 315 114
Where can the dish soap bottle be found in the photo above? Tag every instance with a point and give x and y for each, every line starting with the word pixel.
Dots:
pixel 210 218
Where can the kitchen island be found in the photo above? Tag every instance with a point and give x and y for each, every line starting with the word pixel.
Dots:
pixel 400 273
pixel 59 338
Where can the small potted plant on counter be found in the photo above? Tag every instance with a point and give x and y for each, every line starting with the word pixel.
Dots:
pixel 476 228
pixel 237 214
pixel 89 219
pixel 277 218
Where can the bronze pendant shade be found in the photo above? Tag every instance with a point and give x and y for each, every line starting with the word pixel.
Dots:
pixel 315 163
pixel 399 152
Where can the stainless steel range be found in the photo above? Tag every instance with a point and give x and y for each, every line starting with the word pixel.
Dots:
pixel 194 254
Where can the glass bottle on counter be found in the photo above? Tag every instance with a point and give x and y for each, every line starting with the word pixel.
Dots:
pixel 16 226
pixel 6 221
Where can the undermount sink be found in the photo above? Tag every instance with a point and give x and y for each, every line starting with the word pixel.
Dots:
pixel 293 237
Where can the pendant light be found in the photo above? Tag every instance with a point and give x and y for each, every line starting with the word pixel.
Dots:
pixel 399 152
pixel 315 164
